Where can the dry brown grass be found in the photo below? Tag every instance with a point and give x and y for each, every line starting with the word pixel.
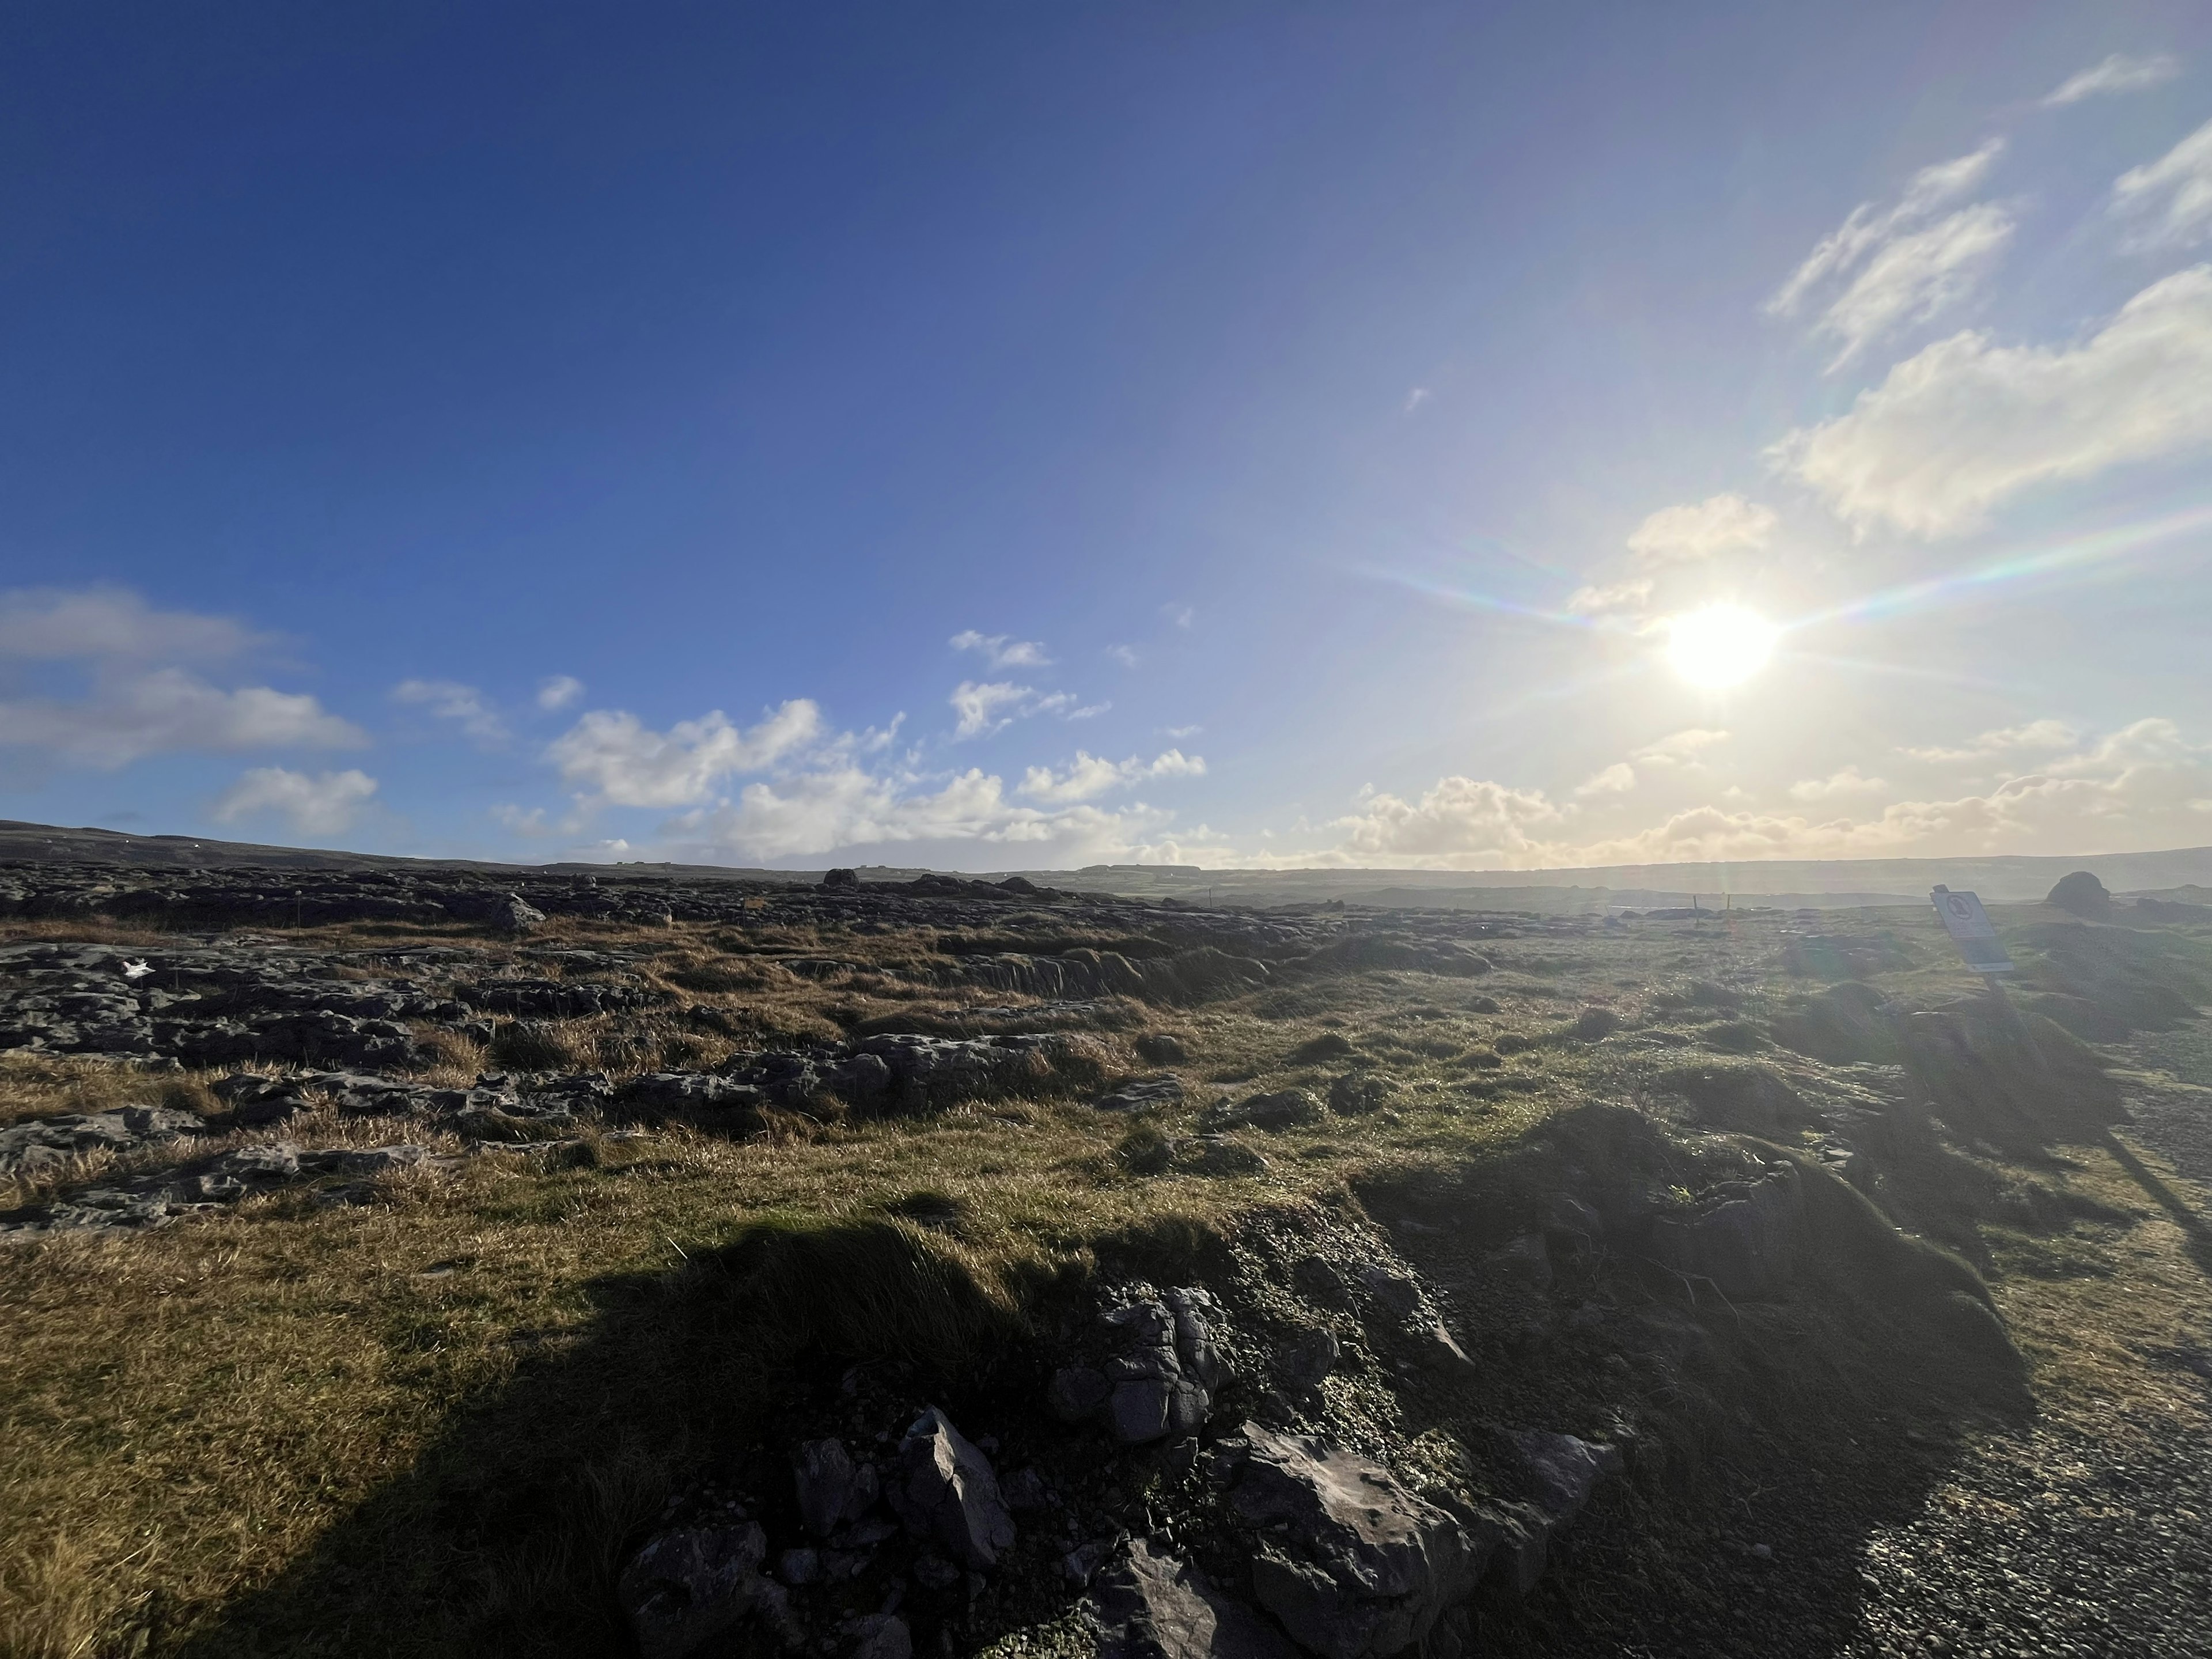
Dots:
pixel 199 1428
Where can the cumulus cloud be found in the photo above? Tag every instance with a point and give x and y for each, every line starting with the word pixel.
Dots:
pixel 830 808
pixel 1869 228
pixel 448 700
pixel 1092 776
pixel 1848 782
pixel 1600 598
pixel 133 696
pixel 1680 748
pixel 2033 735
pixel 48 624
pixel 171 711
pixel 1465 821
pixel 1001 650
pixel 2119 73
pixel 558 691
pixel 984 708
pixel 2138 787
pixel 1967 424
pixel 1698 530
pixel 1915 276
pixel 324 804
pixel 1617 779
pixel 613 756
pixel 2169 198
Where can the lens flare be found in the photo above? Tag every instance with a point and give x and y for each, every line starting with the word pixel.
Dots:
pixel 1720 646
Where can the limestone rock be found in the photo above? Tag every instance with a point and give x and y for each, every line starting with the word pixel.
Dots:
pixel 883 1636
pixel 1562 1471
pixel 832 1488
pixel 1354 1565
pixel 1165 1090
pixel 946 1492
pixel 1746 1246
pixel 686 1587
pixel 1146 1604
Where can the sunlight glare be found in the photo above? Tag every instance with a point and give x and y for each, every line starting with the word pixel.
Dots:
pixel 1720 646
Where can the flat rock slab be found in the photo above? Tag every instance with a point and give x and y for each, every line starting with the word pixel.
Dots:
pixel 1147 1604
pixel 1165 1090
pixel 1354 1565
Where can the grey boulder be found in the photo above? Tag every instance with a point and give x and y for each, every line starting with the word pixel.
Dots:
pixel 1148 1605
pixel 686 1587
pixel 1745 1247
pixel 945 1491
pixel 1353 1564
pixel 832 1488
pixel 1562 1471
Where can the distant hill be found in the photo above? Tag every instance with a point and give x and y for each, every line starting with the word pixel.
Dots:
pixel 1825 883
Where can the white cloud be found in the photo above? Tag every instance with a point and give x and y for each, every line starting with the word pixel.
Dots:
pixel 324 804
pixel 1091 775
pixel 1966 424
pixel 1181 731
pixel 2117 74
pixel 1125 654
pixel 48 624
pixel 2139 787
pixel 1182 616
pixel 169 711
pixel 992 706
pixel 1916 276
pixel 1600 598
pixel 2033 735
pixel 611 753
pixel 2173 194
pixel 1698 530
pixel 1001 650
pixel 1461 820
pixel 979 706
pixel 1868 228
pixel 448 700
pixel 559 690
pixel 139 702
pixel 1416 398
pixel 1680 748
pixel 818 812
pixel 1849 781
pixel 1617 779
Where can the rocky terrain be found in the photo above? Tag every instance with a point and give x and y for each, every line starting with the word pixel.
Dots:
pixel 437 1261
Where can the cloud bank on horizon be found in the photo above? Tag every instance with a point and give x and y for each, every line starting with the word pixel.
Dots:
pixel 1956 465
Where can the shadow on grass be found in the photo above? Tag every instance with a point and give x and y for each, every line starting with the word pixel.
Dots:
pixel 2196 1229
pixel 505 1534
pixel 1801 1426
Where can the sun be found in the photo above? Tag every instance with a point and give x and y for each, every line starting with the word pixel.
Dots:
pixel 1720 646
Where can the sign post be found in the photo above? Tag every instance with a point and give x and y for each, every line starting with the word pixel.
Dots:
pixel 1972 931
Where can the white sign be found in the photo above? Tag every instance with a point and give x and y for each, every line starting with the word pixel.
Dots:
pixel 1972 931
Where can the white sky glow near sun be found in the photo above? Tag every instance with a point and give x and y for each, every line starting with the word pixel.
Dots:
pixel 1720 645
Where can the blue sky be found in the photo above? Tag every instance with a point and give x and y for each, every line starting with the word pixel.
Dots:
pixel 1009 437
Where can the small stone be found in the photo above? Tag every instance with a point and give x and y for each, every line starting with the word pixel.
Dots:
pixel 799 1566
